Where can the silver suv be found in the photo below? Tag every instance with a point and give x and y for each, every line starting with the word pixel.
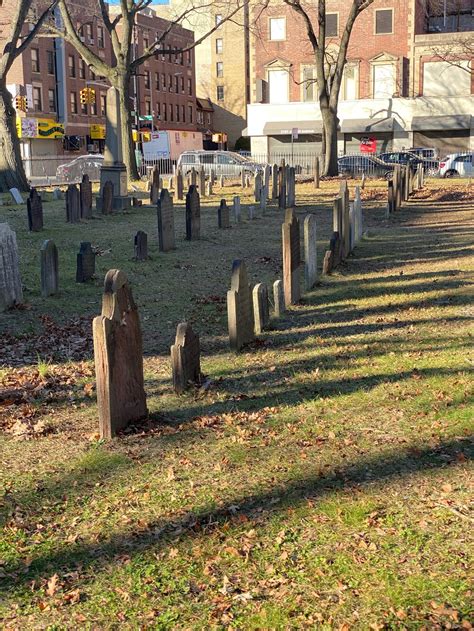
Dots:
pixel 225 163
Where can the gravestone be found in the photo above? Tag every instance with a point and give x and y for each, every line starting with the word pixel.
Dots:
pixel 140 246
pixel 337 215
pixel 282 186
pixel 154 193
pixel 73 204
pixel 35 211
pixel 291 257
pixel 136 203
pixel 260 308
pixel 212 177
pixel 275 181
pixel 251 212
pixel 179 185
pixel 236 208
pixel 242 178
pixel 278 298
pixel 290 187
pixel 85 188
pixel 239 308
pixel 310 251
pixel 358 215
pixel 193 214
pixel 107 198
pixel 332 257
pixel 362 182
pixel 202 182
pixel 263 199
pixel 193 177
pixel 223 219
pixel 351 227
pixel 247 180
pixel 267 170
pixel 222 181
pixel 171 183
pixel 316 173
pixel 257 186
pixel 118 357
pixel 209 189
pixel 16 195
pixel 165 216
pixel 11 292
pixel 57 194
pixel 155 177
pixel 344 231
pixel 85 267
pixel 49 268
pixel 185 358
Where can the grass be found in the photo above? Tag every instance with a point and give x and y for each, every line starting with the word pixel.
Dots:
pixel 324 479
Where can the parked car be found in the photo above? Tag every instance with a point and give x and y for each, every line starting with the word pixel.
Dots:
pixel 227 163
pixel 372 166
pixel 456 165
pixel 82 165
pixel 401 157
pixel 429 158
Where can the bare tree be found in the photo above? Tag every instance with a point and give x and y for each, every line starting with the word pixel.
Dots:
pixel 120 28
pixel 12 172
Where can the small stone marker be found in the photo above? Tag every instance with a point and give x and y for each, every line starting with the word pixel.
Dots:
pixel 209 188
pixel 316 173
pixel 165 216
pixel 247 180
pixel 257 186
pixel 251 212
pixel 136 203
pixel 193 177
pixel 310 251
pixel 140 246
pixel 85 188
pixel 242 178
pixel 223 219
pixel 260 307
pixel 290 187
pixel 202 181
pixel 358 215
pixel 332 257
pixel 107 198
pixel 185 358
pixel 11 291
pixel 278 298
pixel 239 308
pixel 222 181
pixel 282 186
pixel 57 194
pixel 73 204
pixel 275 181
pixel 35 211
pixel 17 198
pixel 236 208
pixel 85 268
pixel 49 268
pixel 118 357
pixel 291 257
pixel 179 185
pixel 154 193
pixel 263 199
pixel 193 214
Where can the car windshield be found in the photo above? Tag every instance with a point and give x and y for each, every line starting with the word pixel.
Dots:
pixel 237 157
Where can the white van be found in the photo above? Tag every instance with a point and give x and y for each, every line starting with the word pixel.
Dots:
pixel 225 163
pixel 456 164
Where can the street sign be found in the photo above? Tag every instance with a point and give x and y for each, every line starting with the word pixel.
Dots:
pixel 294 133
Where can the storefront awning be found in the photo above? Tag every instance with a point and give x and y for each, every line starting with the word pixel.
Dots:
pixel 363 125
pixel 439 123
pixel 284 128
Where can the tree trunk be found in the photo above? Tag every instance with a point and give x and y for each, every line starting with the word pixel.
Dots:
pixel 12 172
pixel 126 123
pixel 330 123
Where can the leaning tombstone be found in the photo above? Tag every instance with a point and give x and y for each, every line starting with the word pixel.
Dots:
pixel 179 185
pixel 223 219
pixel 291 257
pixel 107 197
pixel 85 188
pixel 118 357
pixel 239 308
pixel 165 216
pixel 310 251
pixel 193 214
pixel 260 308
pixel 85 266
pixel 35 211
pixel 140 246
pixel 49 268
pixel 16 195
pixel 236 208
pixel 11 291
pixel 154 193
pixel 278 298
pixel 73 204
pixel 185 358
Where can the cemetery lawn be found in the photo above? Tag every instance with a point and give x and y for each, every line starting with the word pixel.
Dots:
pixel 322 479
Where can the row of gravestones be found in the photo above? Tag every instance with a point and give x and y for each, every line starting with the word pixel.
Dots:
pixel 403 183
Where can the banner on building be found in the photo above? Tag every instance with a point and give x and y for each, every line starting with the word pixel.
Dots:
pixel 368 145
pixel 39 128
pixel 157 147
pixel 97 132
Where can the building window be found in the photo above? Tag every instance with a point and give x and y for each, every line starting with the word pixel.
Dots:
pixel 94 107
pixel 170 83
pixel 73 102
pixel 383 80
pixel 82 69
pixel 89 33
pixel 52 100
pixel 332 20
pixel 350 83
pixel 277 29
pixel 278 86
pixel 219 69
pixel 37 100
pixel 176 84
pixel 182 84
pixel 146 43
pixel 157 80
pixel 72 66
pixel 443 78
pixel 147 79
pixel 383 21
pixel 183 113
pixel 101 37
pixel 190 113
pixel 177 113
pixel 199 117
pixel 220 92
pixel 165 111
pixel 158 110
pixel 148 108
pixel 171 112
pixel 309 84
pixel 103 105
pixel 92 74
pixel 50 57
pixel 190 57
pixel 219 45
pixel 84 109
pixel 190 87
pixel 218 19
pixel 35 63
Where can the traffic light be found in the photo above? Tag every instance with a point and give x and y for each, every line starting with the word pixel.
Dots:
pixel 21 103
pixel 90 95
pixel 83 94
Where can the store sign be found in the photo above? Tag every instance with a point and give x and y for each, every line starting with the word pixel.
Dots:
pixel 158 146
pixel 368 144
pixel 39 128
pixel 97 132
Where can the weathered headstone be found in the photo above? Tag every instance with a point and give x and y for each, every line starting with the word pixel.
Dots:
pixel 154 193
pixel 242 178
pixel 86 197
pixel 85 267
pixel 358 215
pixel 239 308
pixel 291 257
pixel 275 181
pixel 282 186
pixel 140 246
pixel 11 292
pixel 193 177
pixel 16 195
pixel 179 185
pixel 351 227
pixel 316 172
pixel 73 204
pixel 35 211
pixel 107 198
pixel 118 357
pixel 257 186
pixel 310 251
pixel 332 257
pixel 337 215
pixel 251 212
pixel 290 187
pixel 278 298
pixel 222 181
pixel 247 180
pixel 260 308
pixel 345 227
pixel 236 208
pixel 165 216
pixel 49 268
pixel 185 358
pixel 263 199
pixel 362 182
pixel 202 182
pixel 267 170
pixel 57 194
pixel 155 177
pixel 223 219
pixel 209 189
pixel 193 214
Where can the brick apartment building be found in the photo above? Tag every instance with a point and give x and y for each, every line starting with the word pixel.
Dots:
pixel 396 87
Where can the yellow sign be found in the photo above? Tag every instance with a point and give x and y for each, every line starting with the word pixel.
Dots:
pixel 145 136
pixel 97 132
pixel 39 128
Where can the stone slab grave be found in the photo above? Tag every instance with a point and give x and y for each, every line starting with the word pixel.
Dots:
pixel 344 233
pixel 257 186
pixel 239 308
pixel 165 217
pixel 107 198
pixel 237 209
pixel 140 246
pixel 85 262
pixel 310 251
pixel 242 179
pixel 16 196
pixel 333 256
pixel 263 199
pixel 275 181
pixel 49 268
pixel 73 204
pixel 185 358
pixel 261 311
pixel 208 189
pixel 222 181
pixel 202 182
pixel 251 212
pixel 278 298
pixel 11 290
pixel 267 171
pixel 351 227
pixel 290 187
pixel 118 355
pixel 193 214
pixel 291 257
pixel 179 185
pixel 85 189
pixel 282 186
pixel 154 193
pixel 358 222
pixel 35 211
pixel 223 218
pixel 57 194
